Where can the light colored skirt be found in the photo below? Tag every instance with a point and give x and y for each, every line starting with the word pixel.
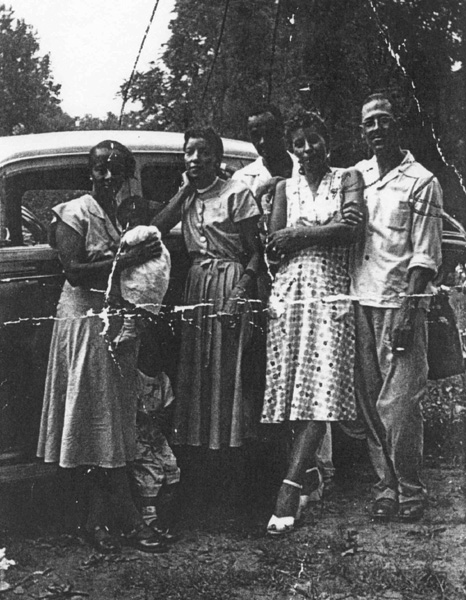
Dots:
pixel 89 410
pixel 212 407
pixel 310 340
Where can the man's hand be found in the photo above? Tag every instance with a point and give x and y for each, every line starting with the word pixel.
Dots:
pixel 268 187
pixel 403 328
pixel 351 215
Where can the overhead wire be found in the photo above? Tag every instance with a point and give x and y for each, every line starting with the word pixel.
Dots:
pixel 274 45
pixel 394 51
pixel 217 50
pixel 130 80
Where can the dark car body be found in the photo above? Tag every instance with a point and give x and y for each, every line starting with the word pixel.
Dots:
pixel 37 172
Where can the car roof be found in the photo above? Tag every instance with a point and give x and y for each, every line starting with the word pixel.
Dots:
pixel 20 147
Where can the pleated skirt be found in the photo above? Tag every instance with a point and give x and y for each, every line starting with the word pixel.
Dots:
pixel 212 405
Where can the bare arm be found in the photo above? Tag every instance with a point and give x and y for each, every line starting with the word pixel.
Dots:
pixel 250 238
pixel 279 209
pixel 337 232
pixel 167 218
pixel 70 247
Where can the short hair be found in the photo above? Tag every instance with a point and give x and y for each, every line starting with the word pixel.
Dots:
pixel 308 119
pixel 129 162
pixel 379 97
pixel 210 136
pixel 260 109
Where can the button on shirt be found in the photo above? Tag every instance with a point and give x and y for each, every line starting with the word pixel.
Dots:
pixel 403 230
pixel 211 220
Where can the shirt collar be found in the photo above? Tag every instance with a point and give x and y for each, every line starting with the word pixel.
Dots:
pixel 97 211
pixel 372 168
pixel 209 187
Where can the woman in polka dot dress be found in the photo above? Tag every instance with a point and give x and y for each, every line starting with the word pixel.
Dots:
pixel 310 342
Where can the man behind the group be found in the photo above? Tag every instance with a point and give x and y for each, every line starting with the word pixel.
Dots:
pixel 391 278
pixel 267 133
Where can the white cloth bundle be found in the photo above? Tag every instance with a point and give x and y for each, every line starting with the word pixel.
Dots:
pixel 146 284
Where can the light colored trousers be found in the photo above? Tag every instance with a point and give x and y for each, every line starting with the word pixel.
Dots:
pixel 390 390
pixel 324 455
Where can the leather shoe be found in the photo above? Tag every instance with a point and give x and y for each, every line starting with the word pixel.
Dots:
pixel 411 512
pixel 145 541
pixel 383 510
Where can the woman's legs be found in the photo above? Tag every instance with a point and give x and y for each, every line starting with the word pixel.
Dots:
pixel 121 500
pixel 97 498
pixel 306 440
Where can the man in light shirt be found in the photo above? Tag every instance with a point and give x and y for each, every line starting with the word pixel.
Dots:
pixel 391 275
pixel 267 133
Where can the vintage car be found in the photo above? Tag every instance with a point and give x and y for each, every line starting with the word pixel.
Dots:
pixel 37 172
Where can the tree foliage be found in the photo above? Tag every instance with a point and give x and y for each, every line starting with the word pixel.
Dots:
pixel 340 50
pixel 28 95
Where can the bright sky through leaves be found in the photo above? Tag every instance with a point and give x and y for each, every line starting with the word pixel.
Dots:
pixel 93 45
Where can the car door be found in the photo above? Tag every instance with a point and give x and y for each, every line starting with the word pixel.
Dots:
pixel 30 284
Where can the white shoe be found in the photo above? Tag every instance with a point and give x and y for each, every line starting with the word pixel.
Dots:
pixel 280 525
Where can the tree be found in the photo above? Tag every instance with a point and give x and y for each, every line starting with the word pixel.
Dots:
pixel 175 95
pixel 340 50
pixel 28 95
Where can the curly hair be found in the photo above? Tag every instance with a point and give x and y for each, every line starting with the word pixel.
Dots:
pixel 308 120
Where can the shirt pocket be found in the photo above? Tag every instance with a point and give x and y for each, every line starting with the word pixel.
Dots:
pixel 399 219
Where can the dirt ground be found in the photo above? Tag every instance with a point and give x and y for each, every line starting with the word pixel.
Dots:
pixel 337 553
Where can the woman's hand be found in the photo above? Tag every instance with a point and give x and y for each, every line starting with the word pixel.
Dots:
pixel 132 256
pixel 283 242
pixel 235 306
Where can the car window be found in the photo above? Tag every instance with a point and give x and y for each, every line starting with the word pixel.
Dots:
pixel 36 212
pixel 30 197
pixel 159 182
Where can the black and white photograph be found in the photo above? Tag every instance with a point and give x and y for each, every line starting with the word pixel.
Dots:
pixel 232 300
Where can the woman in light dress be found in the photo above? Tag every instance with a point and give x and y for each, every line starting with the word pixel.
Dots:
pixel 310 338
pixel 88 423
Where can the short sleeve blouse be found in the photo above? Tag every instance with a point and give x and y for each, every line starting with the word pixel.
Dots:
pixel 89 220
pixel 211 218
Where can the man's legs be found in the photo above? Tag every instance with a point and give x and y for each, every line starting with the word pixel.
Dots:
pixel 368 383
pixel 400 409
pixel 390 391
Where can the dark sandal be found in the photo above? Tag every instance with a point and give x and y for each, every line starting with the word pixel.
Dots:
pixel 102 540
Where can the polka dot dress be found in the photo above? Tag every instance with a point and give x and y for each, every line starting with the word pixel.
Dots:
pixel 310 338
